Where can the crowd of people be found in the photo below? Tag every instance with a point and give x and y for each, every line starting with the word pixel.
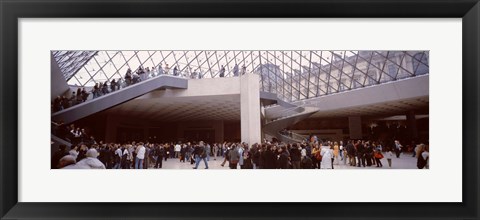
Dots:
pixel 72 133
pixel 131 77
pixel 267 155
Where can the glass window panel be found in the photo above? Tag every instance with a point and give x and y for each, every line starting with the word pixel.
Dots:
pixel 420 64
pixel 134 64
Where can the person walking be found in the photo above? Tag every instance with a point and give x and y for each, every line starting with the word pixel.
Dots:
pixel 160 152
pixel 389 156
pixel 140 156
pixel 398 148
pixel 234 157
pixel 178 147
pixel 200 154
pixel 378 156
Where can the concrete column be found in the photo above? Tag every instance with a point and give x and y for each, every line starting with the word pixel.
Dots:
pixel 412 124
pixel 111 129
pixel 250 108
pixel 219 132
pixel 355 127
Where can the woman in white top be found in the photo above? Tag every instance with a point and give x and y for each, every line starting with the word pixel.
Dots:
pixel 327 155
pixel 389 156
pixel 167 69
pixel 160 69
pixel 153 71
pixel 140 156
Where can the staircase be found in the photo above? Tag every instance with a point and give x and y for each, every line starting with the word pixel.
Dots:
pixel 56 142
pixel 285 118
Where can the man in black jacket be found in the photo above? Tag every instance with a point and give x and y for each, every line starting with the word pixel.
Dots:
pixel 360 153
pixel 159 153
pixel 269 158
pixel 295 156
pixel 351 153
pixel 200 154
pixel 283 158
pixel 368 153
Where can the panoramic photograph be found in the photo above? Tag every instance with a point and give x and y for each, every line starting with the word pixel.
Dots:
pixel 239 109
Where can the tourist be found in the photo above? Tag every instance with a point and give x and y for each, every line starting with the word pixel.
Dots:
pixel 58 155
pixel 73 151
pixel 389 156
pixel 283 158
pixel 200 154
pixel 398 148
pixel 233 157
pixel 336 152
pixel 295 156
pixel 327 156
pixel 160 70
pixel 177 149
pixel 90 161
pixel 422 156
pixel 235 70
pixel 351 151
pixel 378 156
pixel 208 151
pixel 66 162
pixel 317 157
pixel 167 69
pixel 244 70
pixel 175 71
pixel 128 77
pixel 360 153
pixel 140 151
pixel 222 71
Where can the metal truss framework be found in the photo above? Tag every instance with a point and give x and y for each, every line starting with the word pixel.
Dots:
pixel 293 75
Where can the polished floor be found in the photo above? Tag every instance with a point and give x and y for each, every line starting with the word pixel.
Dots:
pixel 406 161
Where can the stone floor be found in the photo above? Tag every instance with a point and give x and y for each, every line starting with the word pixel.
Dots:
pixel 406 161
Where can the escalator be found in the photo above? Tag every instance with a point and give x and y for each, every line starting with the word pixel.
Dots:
pixel 286 118
pixel 112 99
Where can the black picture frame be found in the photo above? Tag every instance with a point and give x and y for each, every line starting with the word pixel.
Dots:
pixel 12 10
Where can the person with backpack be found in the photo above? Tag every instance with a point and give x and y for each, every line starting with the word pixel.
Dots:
pixel 160 153
pixel 316 157
pixel 398 148
pixel 378 155
pixel 369 151
pixel 118 157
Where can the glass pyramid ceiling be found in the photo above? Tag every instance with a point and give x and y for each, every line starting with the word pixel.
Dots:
pixel 293 75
